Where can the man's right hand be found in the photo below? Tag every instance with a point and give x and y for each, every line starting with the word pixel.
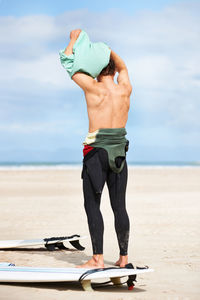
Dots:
pixel 74 34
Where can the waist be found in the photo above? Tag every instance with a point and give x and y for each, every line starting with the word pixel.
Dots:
pixel 106 135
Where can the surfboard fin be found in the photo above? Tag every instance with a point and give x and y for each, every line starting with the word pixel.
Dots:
pixel 60 245
pixel 116 281
pixel 86 285
pixel 77 245
pixel 52 247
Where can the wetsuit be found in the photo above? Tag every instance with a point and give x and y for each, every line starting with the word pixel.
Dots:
pixel 105 161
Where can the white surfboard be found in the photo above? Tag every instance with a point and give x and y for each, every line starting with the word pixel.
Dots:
pixel 11 273
pixel 49 243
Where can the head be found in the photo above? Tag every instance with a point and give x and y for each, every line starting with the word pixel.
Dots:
pixel 109 70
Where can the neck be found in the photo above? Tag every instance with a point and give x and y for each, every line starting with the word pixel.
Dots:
pixel 106 79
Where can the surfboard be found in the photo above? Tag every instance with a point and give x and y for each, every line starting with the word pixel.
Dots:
pixel 12 273
pixel 50 243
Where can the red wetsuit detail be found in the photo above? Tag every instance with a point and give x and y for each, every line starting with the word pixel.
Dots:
pixel 87 149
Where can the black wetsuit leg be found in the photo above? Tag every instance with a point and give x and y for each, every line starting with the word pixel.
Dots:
pixel 92 199
pixel 117 190
pixel 94 175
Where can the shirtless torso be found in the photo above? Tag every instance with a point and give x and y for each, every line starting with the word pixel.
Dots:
pixel 107 106
pixel 107 102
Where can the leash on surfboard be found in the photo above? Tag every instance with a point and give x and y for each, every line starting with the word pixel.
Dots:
pixel 59 244
pixel 129 282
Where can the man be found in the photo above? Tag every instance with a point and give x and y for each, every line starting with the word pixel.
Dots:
pixel 104 151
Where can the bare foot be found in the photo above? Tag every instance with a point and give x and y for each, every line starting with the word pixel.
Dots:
pixel 95 262
pixel 122 261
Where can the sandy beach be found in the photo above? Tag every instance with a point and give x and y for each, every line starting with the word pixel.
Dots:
pixel 164 211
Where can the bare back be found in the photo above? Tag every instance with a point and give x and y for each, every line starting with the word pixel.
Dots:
pixel 108 106
pixel 107 102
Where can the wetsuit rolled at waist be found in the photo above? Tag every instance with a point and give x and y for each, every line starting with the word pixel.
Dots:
pixel 113 140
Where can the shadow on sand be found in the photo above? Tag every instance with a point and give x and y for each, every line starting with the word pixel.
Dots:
pixel 72 256
pixel 76 286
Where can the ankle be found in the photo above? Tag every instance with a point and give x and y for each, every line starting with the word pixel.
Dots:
pixel 123 259
pixel 98 258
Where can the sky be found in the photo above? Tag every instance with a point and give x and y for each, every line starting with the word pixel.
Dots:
pixel 43 115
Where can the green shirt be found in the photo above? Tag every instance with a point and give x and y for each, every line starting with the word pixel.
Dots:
pixel 87 57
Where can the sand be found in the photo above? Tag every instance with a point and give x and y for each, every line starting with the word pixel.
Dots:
pixel 163 206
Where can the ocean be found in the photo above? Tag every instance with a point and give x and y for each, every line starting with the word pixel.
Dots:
pixel 78 165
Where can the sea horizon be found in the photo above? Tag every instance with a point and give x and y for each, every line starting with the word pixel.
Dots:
pixel 30 165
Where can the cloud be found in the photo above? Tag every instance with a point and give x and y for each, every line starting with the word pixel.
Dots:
pixel 160 48
pixel 44 70
pixel 27 32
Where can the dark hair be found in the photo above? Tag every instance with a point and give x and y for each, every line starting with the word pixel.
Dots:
pixel 109 69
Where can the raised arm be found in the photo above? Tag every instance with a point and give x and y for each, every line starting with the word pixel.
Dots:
pixel 86 82
pixel 123 78
pixel 74 34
